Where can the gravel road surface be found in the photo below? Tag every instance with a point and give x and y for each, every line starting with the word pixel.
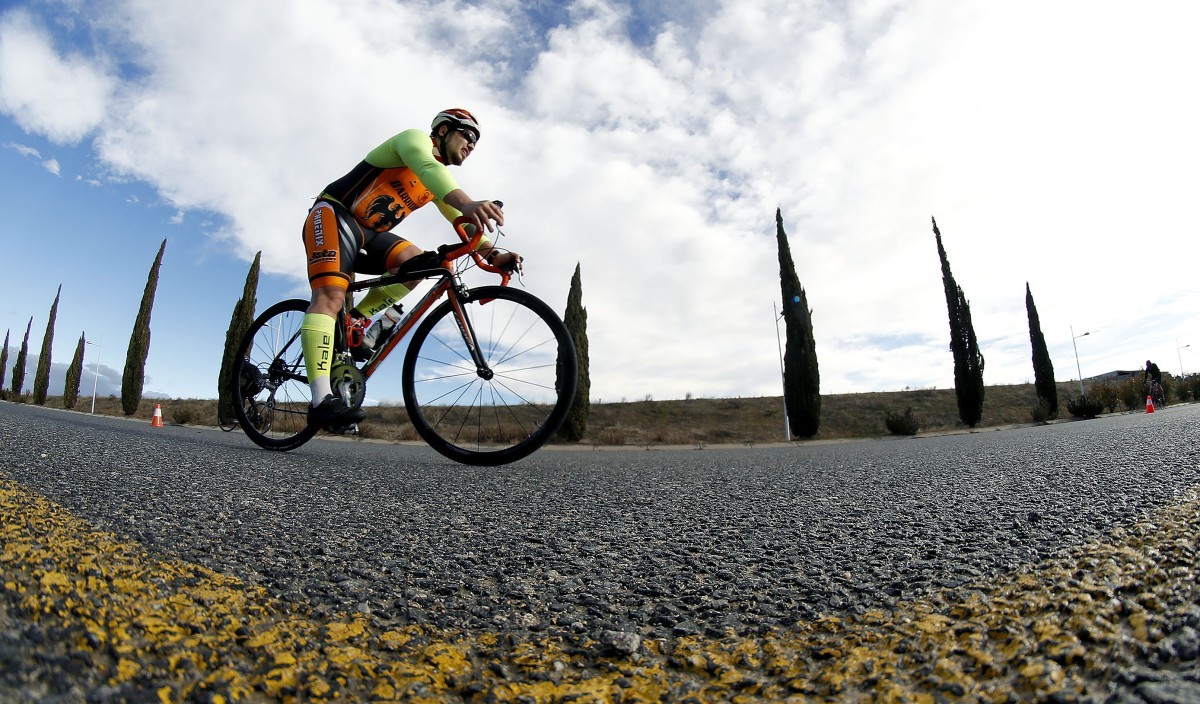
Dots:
pixel 857 571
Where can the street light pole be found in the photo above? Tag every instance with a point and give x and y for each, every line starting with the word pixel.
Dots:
pixel 787 428
pixel 1179 355
pixel 96 374
pixel 1078 371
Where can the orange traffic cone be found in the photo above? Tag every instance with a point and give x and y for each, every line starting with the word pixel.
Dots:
pixel 1149 405
pixel 156 421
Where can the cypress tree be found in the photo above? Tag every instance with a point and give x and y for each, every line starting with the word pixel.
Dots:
pixel 239 323
pixel 801 374
pixel 139 343
pixel 41 380
pixel 18 380
pixel 968 360
pixel 575 319
pixel 74 373
pixel 1043 369
pixel 4 361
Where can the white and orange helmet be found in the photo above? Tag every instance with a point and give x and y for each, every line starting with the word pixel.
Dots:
pixel 456 118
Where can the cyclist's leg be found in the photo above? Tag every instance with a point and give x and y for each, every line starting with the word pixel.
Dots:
pixel 331 250
pixel 384 253
pixel 316 337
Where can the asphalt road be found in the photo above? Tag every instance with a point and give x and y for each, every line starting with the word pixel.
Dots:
pixel 638 550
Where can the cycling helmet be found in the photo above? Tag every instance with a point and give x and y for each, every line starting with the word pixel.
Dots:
pixel 456 118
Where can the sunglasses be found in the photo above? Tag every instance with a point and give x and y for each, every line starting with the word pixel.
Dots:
pixel 468 135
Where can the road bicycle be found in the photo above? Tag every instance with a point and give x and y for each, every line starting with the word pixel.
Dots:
pixel 1156 392
pixel 489 373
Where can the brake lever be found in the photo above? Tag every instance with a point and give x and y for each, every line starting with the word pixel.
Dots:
pixel 519 270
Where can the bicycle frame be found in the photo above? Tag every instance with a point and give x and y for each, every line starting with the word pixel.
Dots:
pixel 445 285
pixel 449 283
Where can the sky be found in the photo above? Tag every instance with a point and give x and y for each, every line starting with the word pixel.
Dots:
pixel 649 143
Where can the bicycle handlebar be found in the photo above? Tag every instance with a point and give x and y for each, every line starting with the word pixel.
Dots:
pixel 470 246
pixel 430 263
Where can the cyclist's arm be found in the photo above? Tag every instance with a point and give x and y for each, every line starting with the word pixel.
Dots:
pixel 510 261
pixel 414 149
pixel 480 213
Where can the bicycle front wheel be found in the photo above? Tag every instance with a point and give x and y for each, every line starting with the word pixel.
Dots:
pixel 507 409
pixel 272 395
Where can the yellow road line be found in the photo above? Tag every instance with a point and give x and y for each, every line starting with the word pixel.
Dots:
pixel 186 632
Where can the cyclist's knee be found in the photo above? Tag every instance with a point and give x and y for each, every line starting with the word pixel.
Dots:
pixel 327 300
pixel 398 257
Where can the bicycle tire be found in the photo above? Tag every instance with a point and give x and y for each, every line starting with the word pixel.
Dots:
pixel 271 395
pixel 504 418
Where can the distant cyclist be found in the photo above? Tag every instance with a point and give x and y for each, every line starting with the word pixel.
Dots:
pixel 1152 372
pixel 1151 375
pixel 349 231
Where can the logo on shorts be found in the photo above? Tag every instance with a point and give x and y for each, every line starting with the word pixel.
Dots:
pixel 323 256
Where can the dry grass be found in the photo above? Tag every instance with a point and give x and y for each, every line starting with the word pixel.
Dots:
pixel 692 422
pixel 756 420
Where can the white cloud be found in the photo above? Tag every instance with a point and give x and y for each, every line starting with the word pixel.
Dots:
pixel 50 165
pixel 1052 144
pixel 24 150
pixel 62 97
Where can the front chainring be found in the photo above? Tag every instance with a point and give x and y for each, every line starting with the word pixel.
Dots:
pixel 348 383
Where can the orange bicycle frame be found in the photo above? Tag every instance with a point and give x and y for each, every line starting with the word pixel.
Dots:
pixel 446 283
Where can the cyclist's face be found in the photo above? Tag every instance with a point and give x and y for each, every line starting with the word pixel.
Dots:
pixel 459 145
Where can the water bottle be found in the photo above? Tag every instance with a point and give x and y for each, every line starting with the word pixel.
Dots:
pixel 381 330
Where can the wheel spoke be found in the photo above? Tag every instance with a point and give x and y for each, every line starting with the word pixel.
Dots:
pixel 273 395
pixel 508 409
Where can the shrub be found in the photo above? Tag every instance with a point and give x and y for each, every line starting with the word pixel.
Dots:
pixel 1184 390
pixel 1040 412
pixel 1084 407
pixel 1106 395
pixel 1132 393
pixel 182 415
pixel 1192 384
pixel 902 423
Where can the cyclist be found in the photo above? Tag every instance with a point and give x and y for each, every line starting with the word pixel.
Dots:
pixel 348 231
pixel 1152 373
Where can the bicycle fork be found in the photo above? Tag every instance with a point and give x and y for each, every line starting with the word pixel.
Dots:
pixel 468 334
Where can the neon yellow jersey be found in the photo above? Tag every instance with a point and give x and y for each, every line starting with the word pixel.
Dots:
pixel 395 178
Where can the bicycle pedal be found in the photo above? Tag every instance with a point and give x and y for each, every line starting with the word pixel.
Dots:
pixel 351 429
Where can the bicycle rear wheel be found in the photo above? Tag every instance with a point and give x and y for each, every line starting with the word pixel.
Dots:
pixel 502 413
pixel 272 394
